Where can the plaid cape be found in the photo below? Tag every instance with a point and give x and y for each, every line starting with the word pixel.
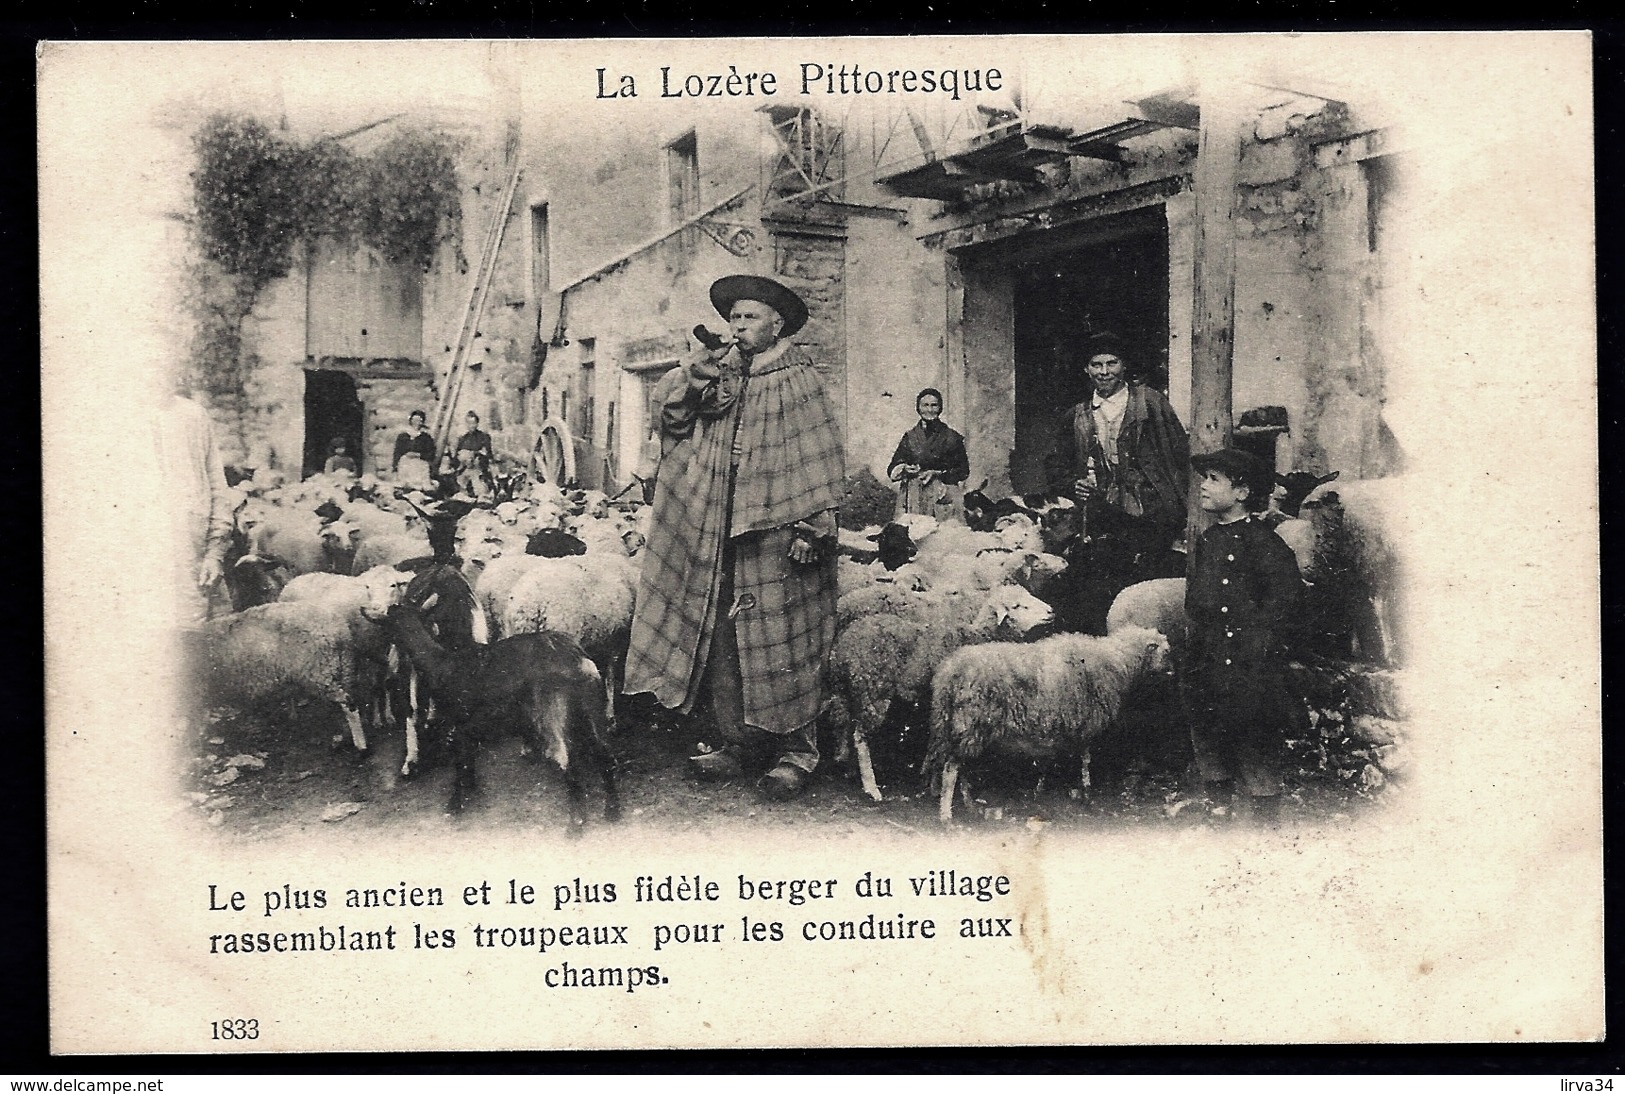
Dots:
pixel 791 468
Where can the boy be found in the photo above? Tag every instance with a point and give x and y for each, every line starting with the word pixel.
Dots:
pixel 1242 598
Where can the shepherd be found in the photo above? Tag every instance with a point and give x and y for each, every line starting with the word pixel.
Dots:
pixel 736 600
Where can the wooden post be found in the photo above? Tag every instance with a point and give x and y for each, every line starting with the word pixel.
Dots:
pixel 1213 310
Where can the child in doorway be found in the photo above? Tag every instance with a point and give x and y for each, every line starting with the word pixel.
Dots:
pixel 340 460
pixel 1242 599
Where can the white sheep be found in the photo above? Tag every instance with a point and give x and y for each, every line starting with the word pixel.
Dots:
pixel 296 537
pixel 546 493
pixel 391 549
pixel 956 540
pixel 1157 605
pixel 267 479
pixel 500 542
pixel 340 539
pixel 1032 699
pixel 379 587
pixel 883 660
pixel 871 590
pixel 1032 570
pixel 1359 525
pixel 1020 532
pixel 375 522
pixel 302 647
pixel 594 503
pixel 588 597
pixel 497 577
pixel 606 534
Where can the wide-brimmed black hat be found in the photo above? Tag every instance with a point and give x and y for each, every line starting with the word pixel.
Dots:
pixel 1242 469
pixel 727 291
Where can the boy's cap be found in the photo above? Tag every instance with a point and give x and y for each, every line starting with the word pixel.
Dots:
pixel 1106 342
pixel 1241 468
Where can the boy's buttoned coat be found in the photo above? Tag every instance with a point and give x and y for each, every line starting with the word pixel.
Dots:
pixel 1244 598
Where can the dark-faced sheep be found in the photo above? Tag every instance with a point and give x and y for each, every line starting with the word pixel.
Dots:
pixel 1295 486
pixel 979 509
pixel 1032 700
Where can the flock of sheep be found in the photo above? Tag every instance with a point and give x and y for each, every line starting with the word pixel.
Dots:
pixel 940 619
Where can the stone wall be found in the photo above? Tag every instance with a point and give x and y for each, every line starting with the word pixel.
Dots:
pixel 1307 290
pixel 1357 728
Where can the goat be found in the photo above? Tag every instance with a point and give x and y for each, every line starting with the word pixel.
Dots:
pixel 1295 486
pixel 545 678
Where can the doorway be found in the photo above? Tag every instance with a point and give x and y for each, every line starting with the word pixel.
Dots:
pixel 1109 274
pixel 332 410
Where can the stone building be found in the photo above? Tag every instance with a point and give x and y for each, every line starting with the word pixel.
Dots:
pixel 967 246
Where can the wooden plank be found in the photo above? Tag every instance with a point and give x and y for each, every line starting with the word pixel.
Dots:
pixel 1361 146
pixel 1111 134
pixel 1110 153
pixel 1213 312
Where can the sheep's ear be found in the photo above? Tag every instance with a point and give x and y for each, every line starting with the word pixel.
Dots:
pixel 1327 478
pixel 433 599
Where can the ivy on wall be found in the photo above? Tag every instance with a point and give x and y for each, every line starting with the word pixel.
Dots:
pixel 259 195
pixel 260 198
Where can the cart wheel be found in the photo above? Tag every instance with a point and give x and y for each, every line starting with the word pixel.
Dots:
pixel 554 458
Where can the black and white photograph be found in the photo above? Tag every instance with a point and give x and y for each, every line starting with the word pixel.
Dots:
pixel 822 542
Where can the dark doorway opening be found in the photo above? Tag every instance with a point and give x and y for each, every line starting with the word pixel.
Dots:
pixel 1110 274
pixel 332 410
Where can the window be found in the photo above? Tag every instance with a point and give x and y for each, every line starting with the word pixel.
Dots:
pixel 683 193
pixel 360 307
pixel 540 268
pixel 586 376
pixel 612 449
pixel 650 375
pixel 682 179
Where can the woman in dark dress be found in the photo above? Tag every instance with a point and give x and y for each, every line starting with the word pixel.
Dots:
pixel 930 464
pixel 416 441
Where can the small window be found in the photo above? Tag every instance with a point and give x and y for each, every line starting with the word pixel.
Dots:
pixel 586 381
pixel 682 178
pixel 540 265
pixel 683 194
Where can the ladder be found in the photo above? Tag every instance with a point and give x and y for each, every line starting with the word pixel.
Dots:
pixel 451 384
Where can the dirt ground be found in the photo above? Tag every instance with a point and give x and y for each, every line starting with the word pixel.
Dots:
pixel 276 772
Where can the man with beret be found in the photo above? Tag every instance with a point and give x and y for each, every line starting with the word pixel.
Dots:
pixel 1243 598
pixel 1123 454
pixel 736 600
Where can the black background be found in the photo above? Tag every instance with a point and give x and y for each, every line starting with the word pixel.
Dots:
pixel 23 1015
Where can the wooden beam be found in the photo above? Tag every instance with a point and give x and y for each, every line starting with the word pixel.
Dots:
pixel 1213 311
pixel 1109 153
